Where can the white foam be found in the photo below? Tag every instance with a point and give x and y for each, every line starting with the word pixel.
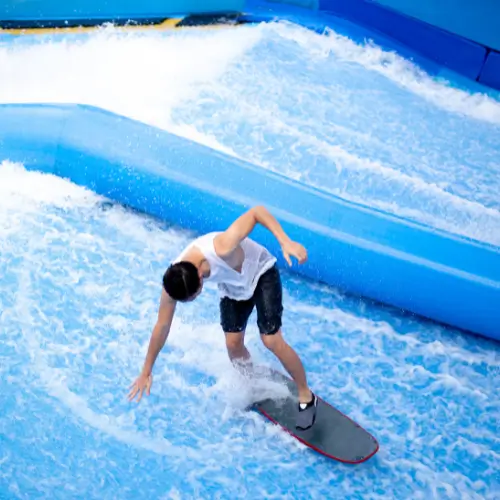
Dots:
pixel 461 215
pixel 83 350
pixel 142 76
pixel 21 191
pixel 28 310
pixel 149 76
pixel 359 327
pixel 398 69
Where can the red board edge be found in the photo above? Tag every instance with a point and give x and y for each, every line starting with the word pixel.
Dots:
pixel 262 412
pixel 317 449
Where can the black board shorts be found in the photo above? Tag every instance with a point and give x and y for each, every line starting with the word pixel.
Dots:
pixel 268 300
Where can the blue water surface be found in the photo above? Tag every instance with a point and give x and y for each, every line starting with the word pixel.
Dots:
pixel 80 280
pixel 350 118
pixel 361 123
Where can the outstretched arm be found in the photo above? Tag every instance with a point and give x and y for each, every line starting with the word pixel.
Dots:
pixel 156 343
pixel 227 241
pixel 160 332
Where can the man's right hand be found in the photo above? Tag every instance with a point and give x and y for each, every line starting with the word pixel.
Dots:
pixel 143 382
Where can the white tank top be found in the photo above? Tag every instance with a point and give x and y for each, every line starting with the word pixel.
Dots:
pixel 231 283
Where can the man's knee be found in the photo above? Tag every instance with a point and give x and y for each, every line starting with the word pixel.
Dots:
pixel 234 342
pixel 273 342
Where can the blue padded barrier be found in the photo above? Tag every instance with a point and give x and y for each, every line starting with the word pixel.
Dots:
pixel 367 252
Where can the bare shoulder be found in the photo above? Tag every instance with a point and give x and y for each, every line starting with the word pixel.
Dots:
pixel 224 245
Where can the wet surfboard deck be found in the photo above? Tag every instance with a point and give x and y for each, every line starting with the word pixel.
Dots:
pixel 333 434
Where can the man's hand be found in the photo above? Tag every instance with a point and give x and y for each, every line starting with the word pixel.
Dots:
pixel 143 382
pixel 160 333
pixel 294 249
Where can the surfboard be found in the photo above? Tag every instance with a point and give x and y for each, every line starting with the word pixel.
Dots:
pixel 333 434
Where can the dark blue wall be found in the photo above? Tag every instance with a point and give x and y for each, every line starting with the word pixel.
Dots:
pixel 476 20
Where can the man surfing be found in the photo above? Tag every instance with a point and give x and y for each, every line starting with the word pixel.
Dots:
pixel 247 277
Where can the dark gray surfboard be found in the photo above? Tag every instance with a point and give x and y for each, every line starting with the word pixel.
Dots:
pixel 333 434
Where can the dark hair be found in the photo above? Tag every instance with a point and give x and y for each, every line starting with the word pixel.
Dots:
pixel 181 280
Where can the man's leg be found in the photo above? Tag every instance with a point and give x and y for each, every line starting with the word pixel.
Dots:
pixel 269 302
pixel 234 316
pixel 290 361
pixel 238 353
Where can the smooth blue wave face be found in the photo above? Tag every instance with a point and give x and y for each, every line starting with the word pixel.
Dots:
pixel 80 280
pixel 351 119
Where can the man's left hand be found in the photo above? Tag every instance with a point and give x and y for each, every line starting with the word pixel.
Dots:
pixel 294 249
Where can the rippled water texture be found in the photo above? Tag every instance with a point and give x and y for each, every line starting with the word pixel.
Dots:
pixel 80 280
